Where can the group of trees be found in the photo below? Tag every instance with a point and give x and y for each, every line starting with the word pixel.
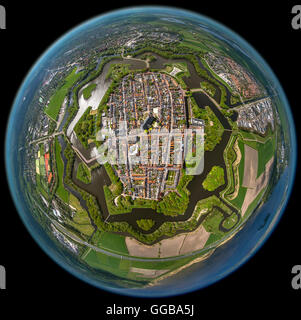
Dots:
pixel 117 71
pixel 145 224
pixel 213 128
pixel 87 92
pixel 208 87
pixel 175 203
pixel 148 56
pixel 86 127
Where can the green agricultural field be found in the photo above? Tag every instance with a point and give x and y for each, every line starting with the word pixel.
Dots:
pixel 110 241
pixel 124 268
pixel 41 180
pixel 41 186
pixel 60 191
pixel 191 42
pixel 266 148
pixel 105 262
pixel 56 101
pixel 265 153
pixel 214 179
pixel 83 173
pixel 87 92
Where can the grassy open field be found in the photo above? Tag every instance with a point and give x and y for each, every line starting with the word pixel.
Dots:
pixel 80 220
pixel 230 221
pixel 102 261
pixel 191 42
pixel 214 179
pixel 56 101
pixel 41 186
pixel 265 152
pixel 123 267
pixel 110 241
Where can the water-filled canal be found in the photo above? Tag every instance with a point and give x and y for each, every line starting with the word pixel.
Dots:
pixel 197 192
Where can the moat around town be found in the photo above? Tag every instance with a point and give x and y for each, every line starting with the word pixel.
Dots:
pixel 100 178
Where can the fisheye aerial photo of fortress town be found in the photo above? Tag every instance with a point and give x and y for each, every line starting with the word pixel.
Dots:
pixel 148 141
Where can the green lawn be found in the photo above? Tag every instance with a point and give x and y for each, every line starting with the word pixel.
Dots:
pixel 56 101
pixel 60 191
pixel 214 179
